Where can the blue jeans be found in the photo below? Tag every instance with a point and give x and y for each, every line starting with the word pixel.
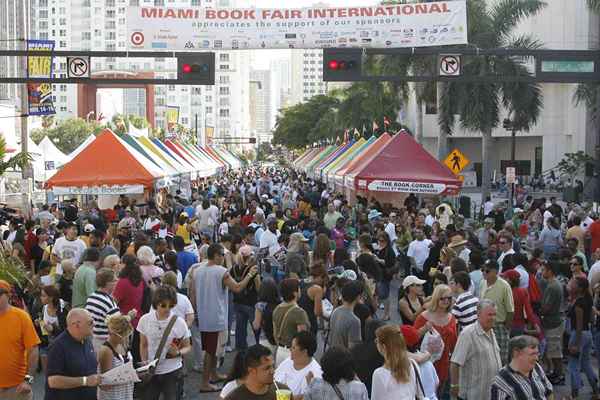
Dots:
pixel 581 362
pixel 596 338
pixel 243 315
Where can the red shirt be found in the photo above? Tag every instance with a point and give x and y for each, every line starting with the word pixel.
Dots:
pixel 594 230
pixel 30 240
pixel 523 309
pixel 129 297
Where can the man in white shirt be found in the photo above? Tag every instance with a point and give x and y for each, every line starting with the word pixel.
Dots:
pixel 488 206
pixel 505 243
pixel 68 247
pixel 269 239
pixel 293 371
pixel 418 250
pixel 594 274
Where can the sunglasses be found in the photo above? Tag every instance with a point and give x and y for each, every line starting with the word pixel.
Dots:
pixel 166 305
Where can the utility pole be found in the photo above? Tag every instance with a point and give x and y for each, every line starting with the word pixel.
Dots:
pixel 27 170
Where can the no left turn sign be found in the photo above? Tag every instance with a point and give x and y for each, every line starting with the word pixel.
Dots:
pixel 449 65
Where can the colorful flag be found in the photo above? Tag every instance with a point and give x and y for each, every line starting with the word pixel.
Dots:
pixel 375 126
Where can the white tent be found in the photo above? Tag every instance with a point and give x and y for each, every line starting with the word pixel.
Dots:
pixel 51 153
pixel 82 146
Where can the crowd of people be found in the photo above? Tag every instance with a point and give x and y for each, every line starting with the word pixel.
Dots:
pixel 297 280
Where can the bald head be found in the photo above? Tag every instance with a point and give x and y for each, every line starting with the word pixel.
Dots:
pixel 77 314
pixel 79 324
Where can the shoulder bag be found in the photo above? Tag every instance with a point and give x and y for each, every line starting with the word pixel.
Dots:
pixel 147 376
pixel 337 391
pixel 420 390
pixel 282 351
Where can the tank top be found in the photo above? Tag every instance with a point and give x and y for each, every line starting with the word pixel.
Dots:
pixel 184 233
pixel 212 298
pixel 117 392
pixel 308 305
pixel 405 320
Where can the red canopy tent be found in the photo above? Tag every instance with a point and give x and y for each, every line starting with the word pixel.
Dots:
pixel 404 166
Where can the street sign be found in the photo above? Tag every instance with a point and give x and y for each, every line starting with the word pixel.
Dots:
pixel 511 175
pixel 562 66
pixel 456 161
pixel 78 67
pixel 449 65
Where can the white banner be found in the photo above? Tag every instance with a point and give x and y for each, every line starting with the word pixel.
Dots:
pixel 98 190
pixel 407 187
pixel 386 26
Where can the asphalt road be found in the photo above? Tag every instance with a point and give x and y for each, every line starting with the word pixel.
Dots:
pixel 192 380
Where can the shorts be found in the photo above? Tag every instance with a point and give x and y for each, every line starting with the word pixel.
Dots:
pixel 383 290
pixel 210 341
pixel 554 341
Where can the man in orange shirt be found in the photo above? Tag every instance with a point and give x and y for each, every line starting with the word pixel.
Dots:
pixel 19 346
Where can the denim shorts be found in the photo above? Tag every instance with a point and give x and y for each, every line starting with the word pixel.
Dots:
pixel 383 290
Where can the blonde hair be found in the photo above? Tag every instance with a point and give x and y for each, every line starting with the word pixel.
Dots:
pixel 119 324
pixel 395 354
pixel 438 293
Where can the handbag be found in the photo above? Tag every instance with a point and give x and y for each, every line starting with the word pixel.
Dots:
pixel 420 388
pixel 146 377
pixel 327 308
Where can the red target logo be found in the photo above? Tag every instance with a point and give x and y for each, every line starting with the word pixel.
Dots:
pixel 137 38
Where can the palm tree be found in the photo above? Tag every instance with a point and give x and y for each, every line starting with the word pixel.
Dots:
pixel 20 160
pixel 478 105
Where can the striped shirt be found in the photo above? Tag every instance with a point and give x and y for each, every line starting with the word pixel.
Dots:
pixel 509 384
pixel 100 305
pixel 465 309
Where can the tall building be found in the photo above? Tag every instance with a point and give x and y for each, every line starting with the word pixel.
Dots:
pixel 101 26
pixel 307 75
pixel 260 105
pixel 281 85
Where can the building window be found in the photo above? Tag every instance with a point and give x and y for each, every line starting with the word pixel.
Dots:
pixel 184 121
pixel 44 25
pixel 224 91
pixel 43 14
pixel 86 35
pixel 224 57
pixel 224 113
pixel 110 13
pixel 209 110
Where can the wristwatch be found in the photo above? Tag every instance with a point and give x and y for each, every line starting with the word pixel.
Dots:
pixel 28 379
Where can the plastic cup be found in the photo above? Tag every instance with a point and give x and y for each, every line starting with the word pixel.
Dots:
pixel 283 394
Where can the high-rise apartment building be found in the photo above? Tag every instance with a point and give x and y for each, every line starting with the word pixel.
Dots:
pixel 307 75
pixel 260 105
pixel 101 25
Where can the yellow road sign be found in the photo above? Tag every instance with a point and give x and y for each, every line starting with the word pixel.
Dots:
pixel 456 161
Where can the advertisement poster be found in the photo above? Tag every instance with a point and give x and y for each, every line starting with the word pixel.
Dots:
pixel 384 26
pixel 172 117
pixel 40 94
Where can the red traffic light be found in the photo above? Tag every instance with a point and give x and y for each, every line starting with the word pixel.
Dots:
pixel 341 65
pixel 186 68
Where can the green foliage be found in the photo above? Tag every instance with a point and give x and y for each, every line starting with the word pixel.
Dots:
pixel 13 271
pixel 120 123
pixel 68 134
pixel 18 161
pixel 574 163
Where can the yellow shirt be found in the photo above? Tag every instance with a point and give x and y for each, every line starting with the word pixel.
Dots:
pixel 184 233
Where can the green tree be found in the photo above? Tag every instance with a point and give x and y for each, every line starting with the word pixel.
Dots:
pixel 68 134
pixel 478 106
pixel 18 161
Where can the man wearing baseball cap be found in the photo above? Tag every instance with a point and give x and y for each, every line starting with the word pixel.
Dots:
pixel 19 346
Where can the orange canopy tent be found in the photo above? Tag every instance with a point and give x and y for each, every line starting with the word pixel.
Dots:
pixel 106 162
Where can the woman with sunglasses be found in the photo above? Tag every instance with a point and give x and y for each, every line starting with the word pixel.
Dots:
pixel 113 353
pixel 170 362
pixel 438 316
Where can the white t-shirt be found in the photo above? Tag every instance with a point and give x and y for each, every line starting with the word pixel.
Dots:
pixel 429 379
pixel 385 386
pixel 419 250
pixel 69 249
pixel 488 206
pixel 269 239
pixel 390 229
pixel 153 329
pixel 294 379
pixel 547 216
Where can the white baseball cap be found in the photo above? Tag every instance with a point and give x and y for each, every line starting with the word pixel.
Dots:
pixel 411 280
pixel 89 228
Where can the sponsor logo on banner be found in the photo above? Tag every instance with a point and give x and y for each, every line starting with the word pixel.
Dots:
pixel 40 94
pixel 260 28
pixel 406 187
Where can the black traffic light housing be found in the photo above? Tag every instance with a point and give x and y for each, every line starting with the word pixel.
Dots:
pixel 342 65
pixel 252 140
pixel 198 69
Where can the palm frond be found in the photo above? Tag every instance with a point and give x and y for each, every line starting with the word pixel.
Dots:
pixel 447 107
pixel 524 41
pixel 587 94
pixel 507 14
pixel 594 5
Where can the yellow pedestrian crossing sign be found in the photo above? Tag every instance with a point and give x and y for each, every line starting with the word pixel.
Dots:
pixel 456 161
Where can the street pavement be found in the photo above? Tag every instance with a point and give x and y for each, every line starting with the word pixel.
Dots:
pixel 192 380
